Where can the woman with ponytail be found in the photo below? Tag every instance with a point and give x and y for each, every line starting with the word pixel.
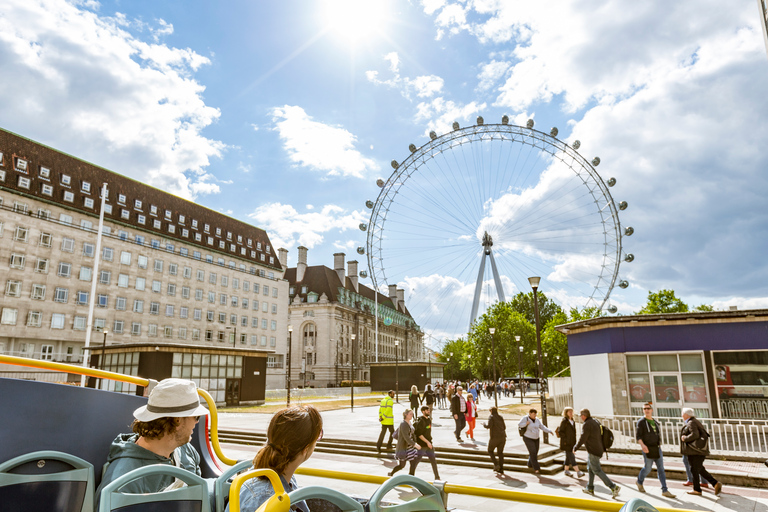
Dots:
pixel 291 439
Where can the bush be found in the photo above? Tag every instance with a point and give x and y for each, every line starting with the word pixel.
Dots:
pixel 358 383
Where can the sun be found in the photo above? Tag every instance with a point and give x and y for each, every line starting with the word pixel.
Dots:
pixel 356 20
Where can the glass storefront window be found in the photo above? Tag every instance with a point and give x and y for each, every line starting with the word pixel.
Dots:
pixel 666 388
pixel 694 388
pixel 691 363
pixel 640 388
pixel 664 363
pixel 742 384
pixel 637 364
pixel 659 378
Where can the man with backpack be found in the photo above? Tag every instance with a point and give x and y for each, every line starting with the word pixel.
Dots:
pixel 648 435
pixel 694 442
pixel 592 439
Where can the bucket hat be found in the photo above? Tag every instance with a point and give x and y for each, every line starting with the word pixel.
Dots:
pixel 172 398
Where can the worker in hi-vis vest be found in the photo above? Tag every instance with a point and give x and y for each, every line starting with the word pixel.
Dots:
pixel 387 420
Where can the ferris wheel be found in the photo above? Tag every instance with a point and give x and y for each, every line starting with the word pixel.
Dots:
pixel 511 191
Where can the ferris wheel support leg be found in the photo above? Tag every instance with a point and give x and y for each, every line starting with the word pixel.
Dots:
pixel 478 289
pixel 496 278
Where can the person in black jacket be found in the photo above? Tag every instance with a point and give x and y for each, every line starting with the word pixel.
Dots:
pixel 592 439
pixel 458 410
pixel 694 445
pixel 567 434
pixel 429 398
pixel 423 432
pixel 648 436
pixel 498 438
pixel 415 398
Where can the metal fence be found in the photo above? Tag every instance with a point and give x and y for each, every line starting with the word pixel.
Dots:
pixel 743 438
pixel 560 393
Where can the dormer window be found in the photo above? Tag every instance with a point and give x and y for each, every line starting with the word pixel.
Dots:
pixel 239 239
pixel 86 187
pixel 121 199
pixel 69 196
pixel 137 204
pixel 229 235
pixel 65 179
pixel 24 182
pixel 153 210
pixel 250 243
pixel 1 158
pixel 218 231
pixel 142 219
pixel 157 224
pixel 207 228
pixel 45 172
pixel 47 190
pixel 21 165
pixel 168 214
pixel 181 219
pixel 194 224
pixel 88 202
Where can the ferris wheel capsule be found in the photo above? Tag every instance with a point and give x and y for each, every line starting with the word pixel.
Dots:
pixel 596 161
pixel 623 284
pixel 380 183
pixel 456 125
pixel 480 121
pixel 529 123
pixel 432 135
pixel 576 144
pixel 611 182
pixel 361 250
pixel 394 164
pixel 629 257
pixel 412 148
pixel 363 274
pixel 612 309
pixel 554 131
pixel 628 231
pixel 623 205
pixel 505 119
pixel 363 226
pixel 369 204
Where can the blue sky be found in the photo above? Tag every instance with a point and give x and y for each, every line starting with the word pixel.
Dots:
pixel 283 114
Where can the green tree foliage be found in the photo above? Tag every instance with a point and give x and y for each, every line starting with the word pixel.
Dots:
pixel 704 307
pixel 554 343
pixel 523 303
pixel 663 301
pixel 508 323
pixel 453 354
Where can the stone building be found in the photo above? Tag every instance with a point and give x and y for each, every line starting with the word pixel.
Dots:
pixel 170 272
pixel 330 306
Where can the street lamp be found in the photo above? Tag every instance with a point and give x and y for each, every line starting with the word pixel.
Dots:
pixel 103 355
pixel 288 381
pixel 534 281
pixel 520 365
pixel 352 386
pixel 397 373
pixel 492 330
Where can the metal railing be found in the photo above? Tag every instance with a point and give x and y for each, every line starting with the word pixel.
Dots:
pixel 743 438
pixel 744 408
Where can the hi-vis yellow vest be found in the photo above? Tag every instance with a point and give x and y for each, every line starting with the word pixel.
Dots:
pixel 386 417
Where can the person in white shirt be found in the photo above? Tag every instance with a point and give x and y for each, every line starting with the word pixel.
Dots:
pixel 533 427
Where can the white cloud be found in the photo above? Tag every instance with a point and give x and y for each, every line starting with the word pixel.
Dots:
pixel 394 61
pixel 424 86
pixel 320 147
pixel 289 228
pixel 491 73
pixel 83 84
pixel 439 114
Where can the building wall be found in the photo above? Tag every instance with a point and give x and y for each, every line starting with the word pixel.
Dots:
pixel 591 377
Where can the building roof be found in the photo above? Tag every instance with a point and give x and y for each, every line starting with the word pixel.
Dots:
pixel 34 170
pixel 320 279
pixel 746 315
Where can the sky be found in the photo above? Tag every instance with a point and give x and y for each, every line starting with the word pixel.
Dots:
pixel 284 114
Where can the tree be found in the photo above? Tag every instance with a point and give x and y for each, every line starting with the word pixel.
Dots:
pixel 555 343
pixel 663 301
pixel 523 303
pixel 453 354
pixel 704 307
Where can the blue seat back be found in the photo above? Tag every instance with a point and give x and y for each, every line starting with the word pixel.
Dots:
pixel 429 501
pixel 222 484
pixel 638 505
pixel 192 498
pixel 47 480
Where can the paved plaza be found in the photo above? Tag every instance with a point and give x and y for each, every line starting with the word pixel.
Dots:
pixel 362 424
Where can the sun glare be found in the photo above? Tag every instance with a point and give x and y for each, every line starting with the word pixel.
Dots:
pixel 355 20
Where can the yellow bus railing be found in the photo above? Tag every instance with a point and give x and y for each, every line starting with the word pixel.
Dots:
pixel 119 377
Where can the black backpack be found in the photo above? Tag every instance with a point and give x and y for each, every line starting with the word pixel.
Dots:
pixel 606 435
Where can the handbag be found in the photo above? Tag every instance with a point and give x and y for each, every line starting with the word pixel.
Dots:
pixel 522 430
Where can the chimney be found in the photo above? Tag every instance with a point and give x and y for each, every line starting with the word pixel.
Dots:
pixel 282 255
pixel 301 266
pixel 352 271
pixel 338 266
pixel 393 294
pixel 400 297
pixel 733 308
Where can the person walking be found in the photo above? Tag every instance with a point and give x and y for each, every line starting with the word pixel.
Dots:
pixel 498 431
pixel 689 474
pixel 387 420
pixel 648 436
pixel 458 410
pixel 567 434
pixel 415 398
pixel 513 388
pixel 473 391
pixel 429 398
pixel 694 443
pixel 592 439
pixel 440 390
pixel 470 416
pixel 423 431
pixel 407 448
pixel 533 428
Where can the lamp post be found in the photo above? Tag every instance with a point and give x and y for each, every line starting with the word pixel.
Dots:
pixel 492 330
pixel 103 355
pixel 352 384
pixel 534 281
pixel 397 373
pixel 288 380
pixel 520 365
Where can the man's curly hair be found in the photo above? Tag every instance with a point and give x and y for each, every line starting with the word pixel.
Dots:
pixel 155 429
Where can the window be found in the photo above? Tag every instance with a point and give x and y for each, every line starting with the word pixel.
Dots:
pixel 265 307
pixel 125 214
pixel 13 288
pixel 142 261
pixel 80 323
pixel 255 288
pixel 135 329
pixel 198 294
pixel 108 209
pixel 187 273
pixel 169 310
pixel 173 269
pixel 24 182
pixel 254 322
pixel 212 297
pixel 138 306
pixel 154 308
pixel 85 187
pixel 198 314
pixel 65 269
pixel 57 320
pixel 82 298
pixel 89 250
pixel 61 295
pixel 234 301
pixel 274 291
pixel 140 283
pixel 142 219
pixel 156 285
pixel 137 204
pixel 102 301
pixel 121 198
pixel 212 278
pixel 185 292
pixel 223 299
pixel 157 224
pixel 117 327
pixel 171 289
pixel 221 336
pixel 120 303
pixel 68 245
pixel 45 172
pixel 184 312
pixel 274 309
pixel 274 325
pixel 152 330
pixel 122 280
pixel 107 254
pixel 65 219
pixel 244 321
pixel 255 305
pixel 233 319
pixel 105 276
pixel 209 315
pixel 235 283
pixel 245 303
pixel 9 316
pixel 34 319
pixel 158 265
pixel 86 273
pixel 139 240
pixel 167 331
pixel 17 261
pixel 246 286
pixel 21 234
pixel 208 335
pixel 224 280
pixel 168 214
pixel 88 202
pixel 266 290
pixel 200 275
pixel 196 334
pixel 38 292
pixel 182 333
pixel 125 258
pixel 222 318
pixel 263 323
pixel 153 210
pixel 45 239
pixel 272 341
pixel 44 214
pixel 69 196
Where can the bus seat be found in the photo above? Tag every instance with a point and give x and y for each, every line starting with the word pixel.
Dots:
pixel 277 503
pixel 320 496
pixel 191 498
pixel 47 480
pixel 638 505
pixel 222 484
pixel 429 501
